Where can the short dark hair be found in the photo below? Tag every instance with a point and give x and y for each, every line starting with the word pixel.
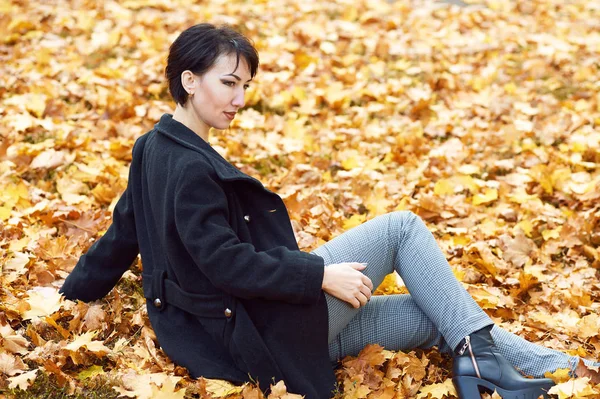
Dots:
pixel 198 48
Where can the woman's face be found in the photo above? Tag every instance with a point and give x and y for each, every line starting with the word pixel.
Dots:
pixel 219 93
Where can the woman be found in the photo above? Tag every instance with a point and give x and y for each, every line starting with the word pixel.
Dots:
pixel 229 294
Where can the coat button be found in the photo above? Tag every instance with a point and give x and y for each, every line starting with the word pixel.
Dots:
pixel 247 218
pixel 157 302
pixel 228 313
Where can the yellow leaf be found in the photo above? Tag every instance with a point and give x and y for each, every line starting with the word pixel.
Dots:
pixel 358 392
pixel 438 391
pixel 4 213
pixel 85 340
pixel 510 88
pixel 167 391
pixel 466 182
pixel 526 226
pixel 220 388
pixel 11 194
pixel 354 220
pixel 469 169
pixel 350 163
pixel 578 387
pixel 589 326
pixel 43 302
pixel 336 96
pixel 490 195
pixel 551 233
pixel 559 375
pixel 294 128
pixel 34 103
pixel 18 245
pixel 144 386
pixel 443 187
pixel 90 372
pixel 16 264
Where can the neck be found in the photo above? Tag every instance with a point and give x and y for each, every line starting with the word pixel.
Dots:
pixel 187 116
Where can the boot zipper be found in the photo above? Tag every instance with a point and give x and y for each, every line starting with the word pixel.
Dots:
pixel 462 350
pixel 465 346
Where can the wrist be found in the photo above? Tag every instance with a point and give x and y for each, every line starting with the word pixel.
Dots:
pixel 325 283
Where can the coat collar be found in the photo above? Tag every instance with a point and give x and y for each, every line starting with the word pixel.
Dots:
pixel 183 135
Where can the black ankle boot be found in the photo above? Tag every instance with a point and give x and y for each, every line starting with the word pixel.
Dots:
pixel 478 365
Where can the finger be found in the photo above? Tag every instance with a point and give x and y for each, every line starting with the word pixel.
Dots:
pixel 362 299
pixel 358 266
pixel 367 281
pixel 366 292
pixel 355 303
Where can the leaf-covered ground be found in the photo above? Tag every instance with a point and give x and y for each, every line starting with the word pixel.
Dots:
pixel 484 120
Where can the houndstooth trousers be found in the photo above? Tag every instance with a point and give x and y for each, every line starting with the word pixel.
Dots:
pixel 437 312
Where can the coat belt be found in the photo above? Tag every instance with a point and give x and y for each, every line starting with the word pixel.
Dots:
pixel 162 291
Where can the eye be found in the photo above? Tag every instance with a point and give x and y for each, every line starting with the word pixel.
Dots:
pixel 246 87
pixel 228 83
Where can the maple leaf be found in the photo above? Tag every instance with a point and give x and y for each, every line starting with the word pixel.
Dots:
pixel 145 386
pixel 517 250
pixel 589 326
pixel 488 196
pixel 94 317
pixel 86 340
pixel 221 388
pixel 23 381
pixel 16 265
pixel 12 341
pixel 591 372
pixel 11 365
pixel 279 391
pixel 49 159
pixel 252 392
pixel 42 301
pixel 90 372
pixel 559 375
pixel 167 391
pixel 578 387
pixel 438 391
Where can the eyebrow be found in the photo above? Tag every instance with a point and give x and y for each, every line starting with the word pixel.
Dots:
pixel 235 76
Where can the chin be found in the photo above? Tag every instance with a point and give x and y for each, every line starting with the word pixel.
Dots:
pixel 221 126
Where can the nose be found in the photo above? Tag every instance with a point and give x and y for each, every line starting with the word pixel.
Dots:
pixel 238 100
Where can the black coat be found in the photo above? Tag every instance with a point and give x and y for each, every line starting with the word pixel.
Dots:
pixel 215 242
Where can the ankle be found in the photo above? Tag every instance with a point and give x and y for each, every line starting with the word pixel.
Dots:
pixel 482 332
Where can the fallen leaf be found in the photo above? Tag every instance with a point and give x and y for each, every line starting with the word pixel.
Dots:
pixel 221 388
pixel 11 365
pixel 438 391
pixel 86 340
pixel 23 381
pixel 43 301
pixel 578 387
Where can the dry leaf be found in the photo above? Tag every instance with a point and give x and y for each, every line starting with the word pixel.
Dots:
pixel 23 381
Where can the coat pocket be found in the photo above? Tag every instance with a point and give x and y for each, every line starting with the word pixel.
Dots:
pixel 249 350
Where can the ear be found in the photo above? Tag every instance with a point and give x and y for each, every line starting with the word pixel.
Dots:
pixel 188 81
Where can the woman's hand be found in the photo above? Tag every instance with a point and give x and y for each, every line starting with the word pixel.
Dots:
pixel 345 281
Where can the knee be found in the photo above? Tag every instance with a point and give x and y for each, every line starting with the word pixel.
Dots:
pixel 406 222
pixel 405 218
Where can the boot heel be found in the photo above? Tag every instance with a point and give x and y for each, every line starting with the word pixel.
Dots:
pixel 467 387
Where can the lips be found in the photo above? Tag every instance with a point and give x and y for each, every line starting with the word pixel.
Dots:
pixel 230 115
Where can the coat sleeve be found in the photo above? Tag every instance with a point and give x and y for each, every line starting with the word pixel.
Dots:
pixel 97 272
pixel 201 218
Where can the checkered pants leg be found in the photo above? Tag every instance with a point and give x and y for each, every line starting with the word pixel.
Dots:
pixel 438 311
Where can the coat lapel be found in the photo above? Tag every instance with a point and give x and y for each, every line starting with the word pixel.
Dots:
pixel 181 134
